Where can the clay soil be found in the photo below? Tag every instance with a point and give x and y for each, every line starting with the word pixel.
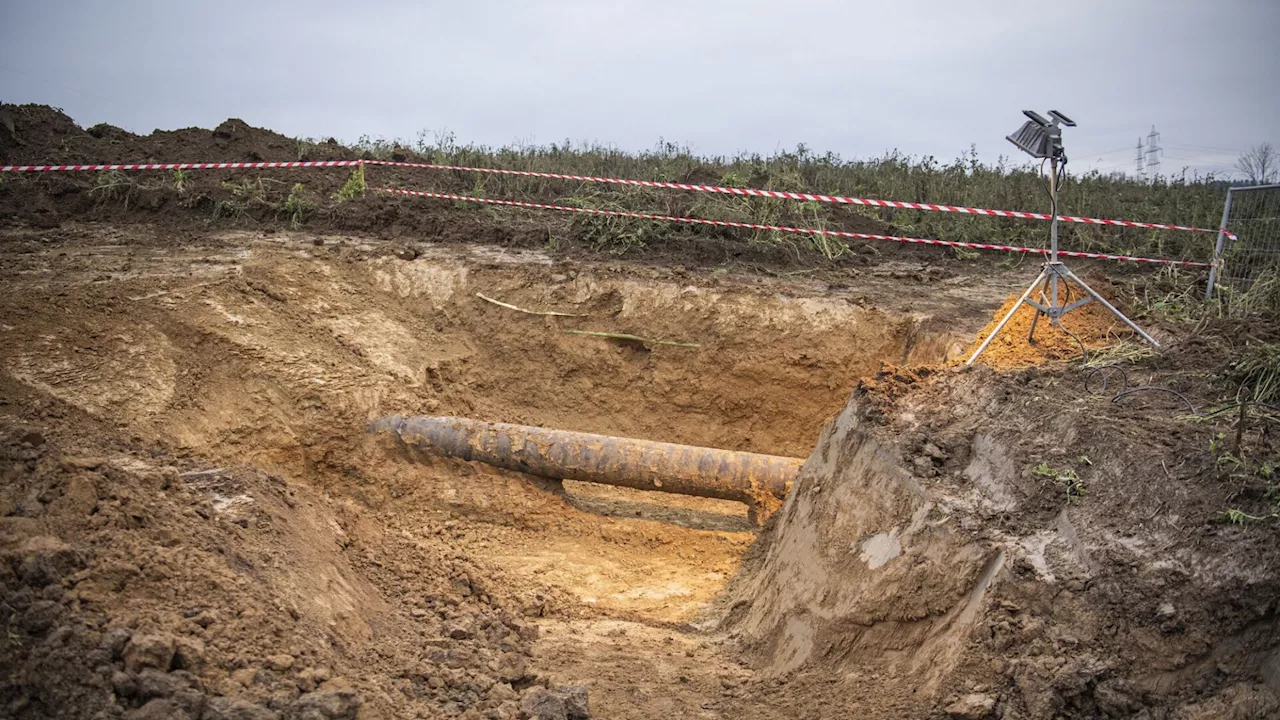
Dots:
pixel 1026 342
pixel 194 522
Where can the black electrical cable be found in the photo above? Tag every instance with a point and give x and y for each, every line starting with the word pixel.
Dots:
pixel 1108 370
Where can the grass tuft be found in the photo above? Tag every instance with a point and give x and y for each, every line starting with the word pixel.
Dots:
pixel 354 187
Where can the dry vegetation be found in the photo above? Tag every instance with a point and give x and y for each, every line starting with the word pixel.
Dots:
pixel 1184 199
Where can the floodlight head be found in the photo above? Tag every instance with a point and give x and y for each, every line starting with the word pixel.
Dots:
pixel 1033 139
pixel 1041 138
pixel 1036 118
pixel 1062 118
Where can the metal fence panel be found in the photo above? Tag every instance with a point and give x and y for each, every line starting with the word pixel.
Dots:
pixel 1247 276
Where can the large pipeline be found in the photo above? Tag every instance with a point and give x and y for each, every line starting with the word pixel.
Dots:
pixel 760 481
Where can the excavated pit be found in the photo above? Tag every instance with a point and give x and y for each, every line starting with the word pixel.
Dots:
pixel 271 352
pixel 274 351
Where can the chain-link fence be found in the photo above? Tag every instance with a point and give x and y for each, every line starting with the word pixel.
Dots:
pixel 1246 277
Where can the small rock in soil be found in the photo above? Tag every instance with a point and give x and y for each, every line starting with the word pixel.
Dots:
pixel 245 676
pixel 44 560
pixel 32 438
pixel 575 701
pixel 540 704
pixel 41 616
pixel 234 708
pixel 207 618
pixel 502 692
pixel 934 451
pixel 156 684
pixel 80 497
pixel 159 709
pixel 188 653
pixel 82 463
pixel 564 703
pixel 125 684
pixel 279 663
pixel 974 706
pixel 325 705
pixel 149 651
pixel 114 640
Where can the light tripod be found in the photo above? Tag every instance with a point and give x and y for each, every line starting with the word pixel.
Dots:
pixel 1043 139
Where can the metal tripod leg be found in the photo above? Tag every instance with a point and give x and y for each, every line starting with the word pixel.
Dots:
pixel 1031 334
pixel 1008 316
pixel 1132 325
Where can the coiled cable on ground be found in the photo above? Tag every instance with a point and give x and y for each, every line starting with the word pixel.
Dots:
pixel 1108 371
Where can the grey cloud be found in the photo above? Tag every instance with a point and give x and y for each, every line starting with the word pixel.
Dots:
pixel 857 78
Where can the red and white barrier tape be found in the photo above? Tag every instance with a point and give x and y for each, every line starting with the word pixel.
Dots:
pixel 779 228
pixel 753 192
pixel 181 166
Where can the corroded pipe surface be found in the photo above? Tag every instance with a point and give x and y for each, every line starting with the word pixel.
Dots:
pixel 761 481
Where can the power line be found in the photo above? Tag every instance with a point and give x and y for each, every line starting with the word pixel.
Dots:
pixel 1109 152
pixel 1191 146
pixel 1199 163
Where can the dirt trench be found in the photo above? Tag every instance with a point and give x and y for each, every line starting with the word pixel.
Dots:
pixel 250 355
pixel 195 523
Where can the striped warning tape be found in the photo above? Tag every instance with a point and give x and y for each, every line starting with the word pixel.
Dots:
pixel 181 166
pixel 780 228
pixel 785 195
pixel 751 192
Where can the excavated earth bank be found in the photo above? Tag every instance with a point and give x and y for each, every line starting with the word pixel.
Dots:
pixel 920 546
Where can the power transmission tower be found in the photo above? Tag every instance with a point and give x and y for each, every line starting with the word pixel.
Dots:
pixel 1153 153
pixel 1138 169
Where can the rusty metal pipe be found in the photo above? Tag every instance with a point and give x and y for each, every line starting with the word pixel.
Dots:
pixel 761 481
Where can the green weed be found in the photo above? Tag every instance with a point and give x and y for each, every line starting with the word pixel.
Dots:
pixel 113 185
pixel 1067 478
pixel 1263 294
pixel 354 187
pixel 181 180
pixel 306 148
pixel 247 194
pixel 297 205
pixel 1257 373
pixel 1239 517
pixel 380 149
pixel 613 234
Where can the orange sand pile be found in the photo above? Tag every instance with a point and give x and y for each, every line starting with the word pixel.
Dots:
pixel 1093 324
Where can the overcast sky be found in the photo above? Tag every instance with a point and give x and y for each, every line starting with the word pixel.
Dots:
pixel 857 78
